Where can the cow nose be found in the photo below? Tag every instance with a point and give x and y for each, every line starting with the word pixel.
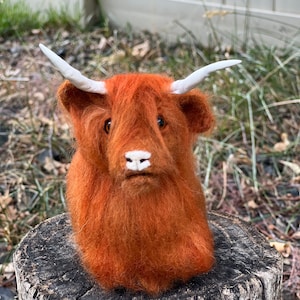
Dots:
pixel 137 160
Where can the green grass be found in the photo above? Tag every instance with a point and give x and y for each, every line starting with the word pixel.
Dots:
pixel 62 19
pixel 17 18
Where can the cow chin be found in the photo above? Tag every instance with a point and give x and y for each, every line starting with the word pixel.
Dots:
pixel 140 183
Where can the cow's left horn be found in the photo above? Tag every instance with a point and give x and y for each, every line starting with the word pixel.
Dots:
pixel 81 82
pixel 184 85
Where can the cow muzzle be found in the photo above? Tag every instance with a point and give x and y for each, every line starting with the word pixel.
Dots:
pixel 137 160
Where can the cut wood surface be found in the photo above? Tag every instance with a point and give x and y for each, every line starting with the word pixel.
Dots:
pixel 47 266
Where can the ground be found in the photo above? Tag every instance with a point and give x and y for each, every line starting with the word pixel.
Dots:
pixel 249 165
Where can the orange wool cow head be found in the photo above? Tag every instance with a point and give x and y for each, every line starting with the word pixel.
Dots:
pixel 137 208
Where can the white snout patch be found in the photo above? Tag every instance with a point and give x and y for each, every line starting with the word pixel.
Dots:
pixel 137 160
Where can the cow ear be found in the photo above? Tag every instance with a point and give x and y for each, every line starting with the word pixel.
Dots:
pixel 198 112
pixel 75 101
pixel 72 99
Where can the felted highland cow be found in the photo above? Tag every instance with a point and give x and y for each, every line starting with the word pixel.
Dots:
pixel 137 208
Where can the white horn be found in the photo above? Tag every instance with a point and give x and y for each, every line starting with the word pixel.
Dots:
pixel 184 85
pixel 70 73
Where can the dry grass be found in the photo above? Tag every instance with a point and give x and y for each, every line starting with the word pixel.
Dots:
pixel 242 173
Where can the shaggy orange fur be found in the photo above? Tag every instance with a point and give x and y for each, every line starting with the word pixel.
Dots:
pixel 138 230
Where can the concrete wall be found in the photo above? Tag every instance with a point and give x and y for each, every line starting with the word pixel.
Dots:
pixel 226 22
pixel 280 6
pixel 273 22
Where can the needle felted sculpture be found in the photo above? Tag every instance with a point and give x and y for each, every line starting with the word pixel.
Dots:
pixel 137 208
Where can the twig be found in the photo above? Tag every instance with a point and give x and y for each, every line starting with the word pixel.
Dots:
pixel 287 102
pixel 224 185
pixel 3 78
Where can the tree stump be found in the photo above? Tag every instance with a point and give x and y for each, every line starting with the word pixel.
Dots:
pixel 47 266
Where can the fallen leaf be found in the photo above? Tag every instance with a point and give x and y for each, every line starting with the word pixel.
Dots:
pixel 103 42
pixel 5 199
pixel 11 213
pixel 283 145
pixel 36 31
pixel 141 50
pixel 8 269
pixel 39 96
pixel 52 166
pixel 3 92
pixel 252 204
pixel 49 164
pixel 296 235
pixel 283 247
pixel 293 166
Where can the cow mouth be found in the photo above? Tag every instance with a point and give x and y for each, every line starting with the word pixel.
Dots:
pixel 133 175
pixel 139 183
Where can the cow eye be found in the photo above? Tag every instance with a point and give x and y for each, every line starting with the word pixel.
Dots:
pixel 107 125
pixel 161 122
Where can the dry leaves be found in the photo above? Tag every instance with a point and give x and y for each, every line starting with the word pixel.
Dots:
pixel 283 247
pixel 52 166
pixel 252 204
pixel 114 58
pixel 141 50
pixel 294 167
pixel 296 235
pixel 283 145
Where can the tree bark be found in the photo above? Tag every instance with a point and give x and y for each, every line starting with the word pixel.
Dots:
pixel 47 266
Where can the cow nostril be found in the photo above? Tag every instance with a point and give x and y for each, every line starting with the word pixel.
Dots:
pixel 141 160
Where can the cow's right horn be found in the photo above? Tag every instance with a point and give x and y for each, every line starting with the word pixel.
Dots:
pixel 81 82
